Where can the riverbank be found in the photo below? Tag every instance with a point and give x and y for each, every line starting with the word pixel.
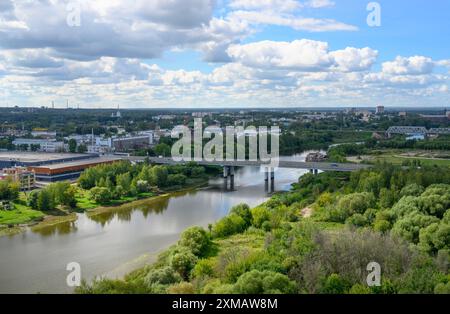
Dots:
pixel 22 217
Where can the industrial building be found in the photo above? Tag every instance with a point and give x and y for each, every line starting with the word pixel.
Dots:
pixel 67 170
pixel 42 145
pixel 52 167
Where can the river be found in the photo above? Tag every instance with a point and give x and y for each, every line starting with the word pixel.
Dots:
pixel 113 243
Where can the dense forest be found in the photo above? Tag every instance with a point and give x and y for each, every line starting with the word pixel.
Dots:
pixel 317 238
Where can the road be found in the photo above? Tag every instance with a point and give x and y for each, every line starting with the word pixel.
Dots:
pixel 324 166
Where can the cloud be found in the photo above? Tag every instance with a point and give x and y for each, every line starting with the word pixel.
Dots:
pixel 302 55
pixel 411 66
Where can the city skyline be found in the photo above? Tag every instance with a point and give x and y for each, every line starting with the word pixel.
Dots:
pixel 237 53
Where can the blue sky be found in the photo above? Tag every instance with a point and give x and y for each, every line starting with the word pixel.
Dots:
pixel 234 53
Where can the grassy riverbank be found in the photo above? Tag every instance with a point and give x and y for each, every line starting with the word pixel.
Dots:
pixel 22 216
pixel 395 216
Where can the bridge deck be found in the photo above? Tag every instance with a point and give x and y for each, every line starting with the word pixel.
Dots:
pixel 324 166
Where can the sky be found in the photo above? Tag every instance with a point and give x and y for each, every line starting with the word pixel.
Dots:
pixel 224 53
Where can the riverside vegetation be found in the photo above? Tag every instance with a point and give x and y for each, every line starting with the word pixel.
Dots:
pixel 103 185
pixel 397 217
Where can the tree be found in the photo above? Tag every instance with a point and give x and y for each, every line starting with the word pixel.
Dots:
pixel 142 186
pixel 82 149
pixel 164 276
pixel 100 195
pixel 334 284
pixel 176 179
pixel 124 180
pixel 408 227
pixel 45 201
pixel 196 239
pixel 259 282
pixel 243 211
pixel 158 176
pixel 32 200
pixel 72 145
pixel 183 260
pixel 163 149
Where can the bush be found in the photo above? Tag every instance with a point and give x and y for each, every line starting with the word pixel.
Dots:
pixel 412 190
pixel 163 276
pixel 100 195
pixel 181 288
pixel 334 284
pixel 243 211
pixel 183 261
pixel 260 214
pixel 204 268
pixel 195 239
pixel 32 200
pixel 45 200
pixel 259 282
pixel 357 220
pixel 229 225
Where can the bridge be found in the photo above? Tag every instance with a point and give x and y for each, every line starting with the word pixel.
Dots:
pixel 228 167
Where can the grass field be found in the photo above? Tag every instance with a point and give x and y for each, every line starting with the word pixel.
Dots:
pixel 400 157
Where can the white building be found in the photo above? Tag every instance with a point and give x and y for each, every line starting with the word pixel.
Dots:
pixel 44 145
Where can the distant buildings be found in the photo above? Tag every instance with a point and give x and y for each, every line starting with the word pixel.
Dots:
pixel 123 144
pixel 437 117
pixel 43 134
pixel 41 145
pixel 379 110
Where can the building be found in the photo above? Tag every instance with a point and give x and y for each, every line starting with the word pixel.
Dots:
pixel 9 159
pixel 41 145
pixel 315 157
pixel 22 175
pixel 43 133
pixel 67 170
pixel 402 114
pixel 437 117
pixel 379 110
pixel 122 144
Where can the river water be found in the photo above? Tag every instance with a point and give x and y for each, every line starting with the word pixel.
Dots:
pixel 113 243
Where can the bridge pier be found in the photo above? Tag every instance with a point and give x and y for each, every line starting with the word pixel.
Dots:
pixel 228 173
pixel 269 179
pixel 314 171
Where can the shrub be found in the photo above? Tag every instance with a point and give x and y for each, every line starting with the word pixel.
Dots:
pixel 183 260
pixel 100 195
pixel 204 268
pixel 357 220
pixel 259 282
pixel 334 284
pixel 164 276
pixel 260 214
pixel 243 211
pixel 195 239
pixel 229 225
pixel 181 288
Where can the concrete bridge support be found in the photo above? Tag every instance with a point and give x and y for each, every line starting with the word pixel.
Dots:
pixel 269 179
pixel 314 171
pixel 228 175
